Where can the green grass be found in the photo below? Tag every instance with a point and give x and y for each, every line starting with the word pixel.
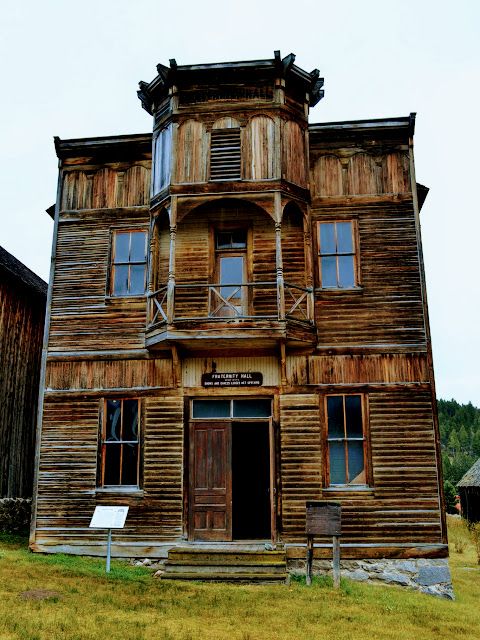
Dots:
pixel 130 604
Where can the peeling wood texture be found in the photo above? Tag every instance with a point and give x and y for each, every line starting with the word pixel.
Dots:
pixel 239 282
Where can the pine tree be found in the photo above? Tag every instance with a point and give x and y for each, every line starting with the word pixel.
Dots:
pixel 450 493
pixel 464 439
pixel 446 466
pixel 454 442
pixel 476 444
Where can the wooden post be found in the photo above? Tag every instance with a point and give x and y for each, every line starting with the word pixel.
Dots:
pixel 279 268
pixel 323 518
pixel 308 568
pixel 171 264
pixel 336 562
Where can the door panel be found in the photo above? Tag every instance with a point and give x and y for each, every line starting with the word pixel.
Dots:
pixel 210 481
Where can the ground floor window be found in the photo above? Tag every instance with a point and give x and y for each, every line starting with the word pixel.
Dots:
pixel 346 455
pixel 120 459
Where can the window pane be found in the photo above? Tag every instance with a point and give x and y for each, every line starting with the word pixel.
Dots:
pixel 112 421
pixel 137 246
pixel 231 271
pixel 129 464
pixel 112 464
pixel 130 420
pixel 239 239
pixel 121 247
pixel 344 237
pixel 120 280
pixel 356 467
pixel 337 463
pixel 137 278
pixel 346 274
pixel 327 237
pixel 329 272
pixel 252 408
pixel 353 411
pixel 335 417
pixel 224 240
pixel 211 408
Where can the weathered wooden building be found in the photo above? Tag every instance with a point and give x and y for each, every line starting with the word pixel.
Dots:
pixel 22 313
pixel 238 324
pixel 469 491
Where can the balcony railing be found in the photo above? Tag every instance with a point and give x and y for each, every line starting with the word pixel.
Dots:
pixel 247 301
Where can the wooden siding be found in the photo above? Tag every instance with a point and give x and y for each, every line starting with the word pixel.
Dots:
pixel 293 248
pixel 357 369
pixel 83 317
pixel 359 173
pixel 258 153
pixel 68 477
pixel 192 152
pixel 108 374
pixel 107 187
pixel 402 505
pixel 294 156
pixel 386 309
pixel 301 460
pixel 22 314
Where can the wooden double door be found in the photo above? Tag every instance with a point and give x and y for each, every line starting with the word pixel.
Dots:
pixel 231 473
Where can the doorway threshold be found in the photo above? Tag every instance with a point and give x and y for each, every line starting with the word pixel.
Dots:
pixel 230 545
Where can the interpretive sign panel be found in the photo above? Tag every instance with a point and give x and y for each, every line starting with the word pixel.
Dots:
pixel 237 379
pixel 323 518
pixel 109 518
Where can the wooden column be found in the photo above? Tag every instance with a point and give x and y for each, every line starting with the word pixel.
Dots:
pixel 309 262
pixel 171 264
pixel 278 258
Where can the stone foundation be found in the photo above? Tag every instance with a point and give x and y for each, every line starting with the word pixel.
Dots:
pixel 425 575
pixel 15 514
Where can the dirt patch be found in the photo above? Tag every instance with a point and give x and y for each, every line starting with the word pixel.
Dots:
pixel 39 594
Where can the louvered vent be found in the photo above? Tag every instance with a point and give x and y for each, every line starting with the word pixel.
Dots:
pixel 225 158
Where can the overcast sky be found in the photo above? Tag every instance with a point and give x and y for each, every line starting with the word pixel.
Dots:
pixel 71 69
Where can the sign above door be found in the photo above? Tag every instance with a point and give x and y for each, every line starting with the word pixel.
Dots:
pixel 238 379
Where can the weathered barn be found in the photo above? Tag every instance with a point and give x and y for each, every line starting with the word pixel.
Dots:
pixel 238 324
pixel 22 313
pixel 469 491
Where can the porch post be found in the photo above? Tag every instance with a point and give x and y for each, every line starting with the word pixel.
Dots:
pixel 171 264
pixel 309 262
pixel 278 258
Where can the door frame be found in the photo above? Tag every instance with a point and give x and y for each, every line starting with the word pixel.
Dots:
pixel 189 459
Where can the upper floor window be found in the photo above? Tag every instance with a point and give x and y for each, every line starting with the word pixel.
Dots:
pixel 129 263
pixel 346 440
pixel 225 156
pixel 120 460
pixel 337 255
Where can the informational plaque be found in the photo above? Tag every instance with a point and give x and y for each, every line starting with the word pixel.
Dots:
pixel 109 518
pixel 237 379
pixel 323 518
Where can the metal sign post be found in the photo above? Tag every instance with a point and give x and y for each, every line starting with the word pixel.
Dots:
pixel 109 518
pixel 324 519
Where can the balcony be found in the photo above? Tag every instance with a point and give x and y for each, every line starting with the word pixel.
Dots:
pixel 252 314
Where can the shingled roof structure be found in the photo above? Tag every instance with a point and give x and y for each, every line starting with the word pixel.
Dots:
pixel 17 270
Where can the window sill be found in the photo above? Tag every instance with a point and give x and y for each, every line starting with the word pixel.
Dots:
pixel 363 489
pixel 339 291
pixel 122 491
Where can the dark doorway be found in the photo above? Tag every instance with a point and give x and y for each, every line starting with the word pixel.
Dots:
pixel 250 481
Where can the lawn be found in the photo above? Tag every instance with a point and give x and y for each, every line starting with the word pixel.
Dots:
pixel 130 604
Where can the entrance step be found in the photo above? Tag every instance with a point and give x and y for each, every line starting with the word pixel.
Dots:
pixel 225 565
